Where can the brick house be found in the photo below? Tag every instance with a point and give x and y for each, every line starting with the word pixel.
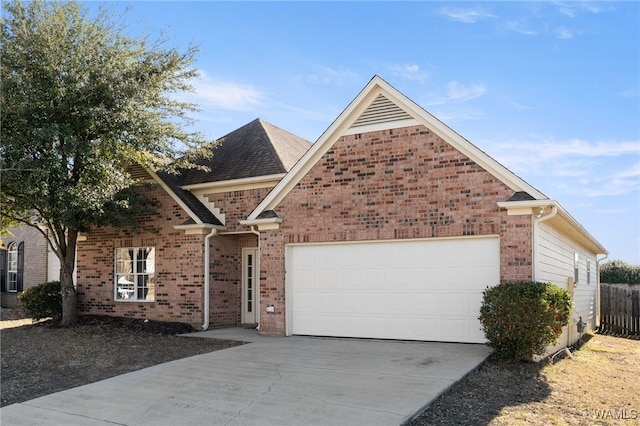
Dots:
pixel 26 260
pixel 389 226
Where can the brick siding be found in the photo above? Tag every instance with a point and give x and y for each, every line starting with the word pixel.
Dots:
pixel 35 260
pixel 179 264
pixel 236 206
pixel 179 267
pixel 391 184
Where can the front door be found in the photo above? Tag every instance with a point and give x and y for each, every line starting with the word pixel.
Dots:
pixel 250 286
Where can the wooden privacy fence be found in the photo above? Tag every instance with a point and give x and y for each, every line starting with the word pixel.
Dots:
pixel 620 309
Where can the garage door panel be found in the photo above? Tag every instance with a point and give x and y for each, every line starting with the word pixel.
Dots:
pixel 349 302
pixel 353 276
pixel 474 306
pixel 454 328
pixel 326 279
pixel 423 304
pixel 418 290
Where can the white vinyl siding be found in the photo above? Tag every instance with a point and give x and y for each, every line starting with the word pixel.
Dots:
pixel 412 290
pixel 555 262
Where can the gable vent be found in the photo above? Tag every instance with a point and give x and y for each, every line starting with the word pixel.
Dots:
pixel 381 110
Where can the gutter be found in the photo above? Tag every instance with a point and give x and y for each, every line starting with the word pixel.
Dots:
pixel 575 229
pixel 207 285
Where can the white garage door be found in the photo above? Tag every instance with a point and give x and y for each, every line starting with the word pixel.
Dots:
pixel 413 290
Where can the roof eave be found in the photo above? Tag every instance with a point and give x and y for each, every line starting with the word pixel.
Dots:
pixel 174 196
pixel 563 220
pixel 198 228
pixel 263 224
pixel 233 184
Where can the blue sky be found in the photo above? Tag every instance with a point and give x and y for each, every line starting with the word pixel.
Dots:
pixel 549 89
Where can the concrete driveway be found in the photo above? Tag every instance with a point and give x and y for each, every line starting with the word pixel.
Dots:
pixel 271 381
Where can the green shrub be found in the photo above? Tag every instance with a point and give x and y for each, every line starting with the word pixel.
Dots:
pixel 42 301
pixel 521 319
pixel 619 272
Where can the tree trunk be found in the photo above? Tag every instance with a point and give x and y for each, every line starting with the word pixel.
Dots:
pixel 67 265
pixel 69 315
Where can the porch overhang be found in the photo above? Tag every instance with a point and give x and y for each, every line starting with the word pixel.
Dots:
pixel 266 224
pixel 198 228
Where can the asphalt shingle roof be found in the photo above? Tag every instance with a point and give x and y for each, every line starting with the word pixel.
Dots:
pixel 521 196
pixel 255 149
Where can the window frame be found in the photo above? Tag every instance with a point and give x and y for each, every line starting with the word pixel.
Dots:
pixel 3 269
pixel 135 282
pixel 12 270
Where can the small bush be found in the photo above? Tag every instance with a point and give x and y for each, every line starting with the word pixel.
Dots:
pixel 619 272
pixel 521 319
pixel 42 301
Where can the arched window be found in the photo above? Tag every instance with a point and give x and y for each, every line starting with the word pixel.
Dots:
pixel 12 267
pixel 3 269
pixel 20 274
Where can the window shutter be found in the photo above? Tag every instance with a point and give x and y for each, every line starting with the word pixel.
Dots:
pixel 3 269
pixel 20 265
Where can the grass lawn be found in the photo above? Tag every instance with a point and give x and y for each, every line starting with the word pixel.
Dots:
pixel 600 385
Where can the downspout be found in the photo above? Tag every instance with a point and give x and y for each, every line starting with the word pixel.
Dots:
pixel 254 230
pixel 598 289
pixel 536 222
pixel 207 284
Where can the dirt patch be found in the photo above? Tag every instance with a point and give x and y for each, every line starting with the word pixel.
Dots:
pixel 42 358
pixel 598 386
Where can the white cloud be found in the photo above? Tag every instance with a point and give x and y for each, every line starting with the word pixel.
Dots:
pixel 515 104
pixel 563 33
pixel 571 9
pixel 466 16
pixel 613 211
pixel 617 183
pixel 223 94
pixel 458 115
pixel 409 72
pixel 576 166
pixel 328 75
pixel 520 28
pixel 549 148
pixel 560 32
pixel 447 103
pixel 630 93
pixel 459 92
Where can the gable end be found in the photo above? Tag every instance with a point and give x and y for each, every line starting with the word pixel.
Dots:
pixel 379 106
pixel 381 110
